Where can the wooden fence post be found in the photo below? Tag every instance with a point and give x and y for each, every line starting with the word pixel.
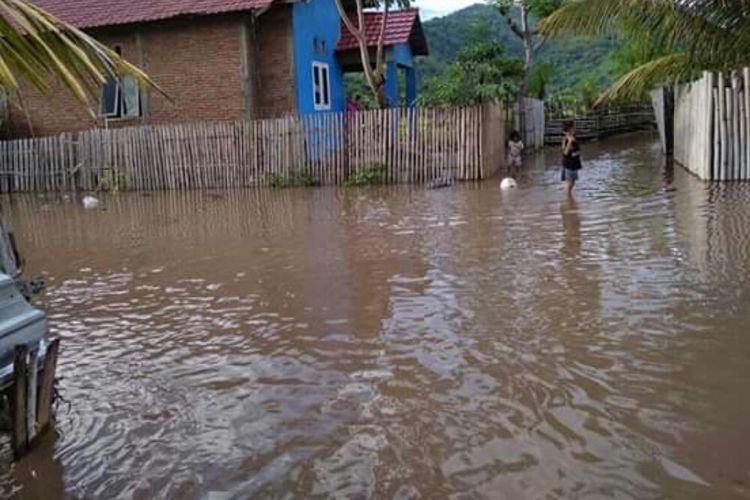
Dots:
pixel 19 438
pixel 413 145
pixel 46 391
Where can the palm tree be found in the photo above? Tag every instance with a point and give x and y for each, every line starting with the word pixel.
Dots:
pixel 694 35
pixel 39 48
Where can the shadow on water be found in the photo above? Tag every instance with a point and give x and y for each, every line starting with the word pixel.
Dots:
pixel 401 342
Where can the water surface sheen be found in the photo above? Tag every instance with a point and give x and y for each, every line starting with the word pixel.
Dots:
pixel 401 343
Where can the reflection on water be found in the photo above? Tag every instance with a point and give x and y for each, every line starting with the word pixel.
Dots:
pixel 401 343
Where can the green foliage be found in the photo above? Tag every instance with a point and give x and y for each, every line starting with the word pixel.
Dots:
pixel 539 8
pixel 481 73
pixel 293 179
pixel 575 101
pixel 112 182
pixel 637 47
pixel 540 78
pixel 668 41
pixel 371 174
pixel 572 58
pixel 357 88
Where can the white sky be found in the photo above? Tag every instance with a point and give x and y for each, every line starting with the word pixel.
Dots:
pixel 435 8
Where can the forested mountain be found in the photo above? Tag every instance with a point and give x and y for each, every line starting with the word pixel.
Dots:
pixel 572 61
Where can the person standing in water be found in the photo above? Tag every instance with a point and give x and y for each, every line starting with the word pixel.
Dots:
pixel 515 153
pixel 571 163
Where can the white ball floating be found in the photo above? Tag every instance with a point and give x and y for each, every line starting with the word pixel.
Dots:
pixel 508 183
pixel 90 202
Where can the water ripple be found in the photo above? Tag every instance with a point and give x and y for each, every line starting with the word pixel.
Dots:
pixel 401 343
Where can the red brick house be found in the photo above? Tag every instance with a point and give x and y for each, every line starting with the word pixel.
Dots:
pixel 216 59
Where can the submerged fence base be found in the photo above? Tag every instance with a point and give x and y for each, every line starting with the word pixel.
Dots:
pixel 399 145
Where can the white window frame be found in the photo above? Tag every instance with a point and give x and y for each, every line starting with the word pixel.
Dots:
pixel 318 89
pixel 120 98
pixel 116 112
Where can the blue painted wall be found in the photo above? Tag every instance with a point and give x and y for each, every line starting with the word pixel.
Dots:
pixel 317 29
pixel 401 54
pixel 401 59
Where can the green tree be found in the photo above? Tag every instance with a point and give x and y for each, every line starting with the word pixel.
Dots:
pixel 528 34
pixel 39 48
pixel 481 73
pixel 669 40
pixel 539 81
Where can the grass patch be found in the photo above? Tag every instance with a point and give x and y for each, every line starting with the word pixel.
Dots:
pixel 372 174
pixel 294 179
pixel 112 182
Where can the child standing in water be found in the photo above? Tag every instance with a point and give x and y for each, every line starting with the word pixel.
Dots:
pixel 571 163
pixel 515 153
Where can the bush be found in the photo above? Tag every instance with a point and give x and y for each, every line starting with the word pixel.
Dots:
pixel 293 179
pixel 112 182
pixel 369 175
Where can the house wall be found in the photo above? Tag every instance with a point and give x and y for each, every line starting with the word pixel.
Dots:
pixel 400 59
pixel 317 20
pixel 275 63
pixel 197 62
pixel 401 54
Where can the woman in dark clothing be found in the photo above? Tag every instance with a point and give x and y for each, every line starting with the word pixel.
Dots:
pixel 571 157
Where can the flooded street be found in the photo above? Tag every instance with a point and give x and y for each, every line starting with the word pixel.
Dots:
pixel 401 343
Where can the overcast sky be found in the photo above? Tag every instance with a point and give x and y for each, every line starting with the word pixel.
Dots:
pixel 434 8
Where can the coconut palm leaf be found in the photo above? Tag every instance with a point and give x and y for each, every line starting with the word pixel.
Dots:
pixel 700 34
pixel 661 71
pixel 39 48
pixel 601 17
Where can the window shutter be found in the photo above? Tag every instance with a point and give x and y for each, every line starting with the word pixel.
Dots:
pixel 326 89
pixel 130 97
pixel 110 98
pixel 316 84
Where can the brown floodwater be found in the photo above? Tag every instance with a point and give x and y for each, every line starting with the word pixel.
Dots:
pixel 398 342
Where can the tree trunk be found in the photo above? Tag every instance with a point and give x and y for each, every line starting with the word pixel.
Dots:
pixel 375 77
pixel 383 101
pixel 528 63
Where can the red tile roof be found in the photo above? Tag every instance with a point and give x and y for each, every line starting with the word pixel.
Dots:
pixel 403 26
pixel 99 13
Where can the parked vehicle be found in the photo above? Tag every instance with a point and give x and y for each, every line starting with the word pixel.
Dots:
pixel 20 322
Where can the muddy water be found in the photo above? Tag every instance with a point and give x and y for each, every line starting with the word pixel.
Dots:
pixel 401 343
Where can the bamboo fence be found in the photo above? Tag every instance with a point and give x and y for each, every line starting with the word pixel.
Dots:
pixel 405 145
pixel 598 125
pixel 533 128
pixel 712 124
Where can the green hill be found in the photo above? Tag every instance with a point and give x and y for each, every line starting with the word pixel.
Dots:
pixel 572 60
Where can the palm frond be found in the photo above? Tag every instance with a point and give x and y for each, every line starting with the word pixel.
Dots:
pixel 697 34
pixel 601 17
pixel 39 48
pixel 636 84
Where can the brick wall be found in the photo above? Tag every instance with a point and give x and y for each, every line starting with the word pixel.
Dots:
pixel 198 64
pixel 275 65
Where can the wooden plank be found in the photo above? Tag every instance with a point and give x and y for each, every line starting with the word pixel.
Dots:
pixel 742 138
pixel 723 160
pixel 729 104
pixel 717 146
pixel 746 78
pixel 31 400
pixel 735 93
pixel 707 124
pixel 19 438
